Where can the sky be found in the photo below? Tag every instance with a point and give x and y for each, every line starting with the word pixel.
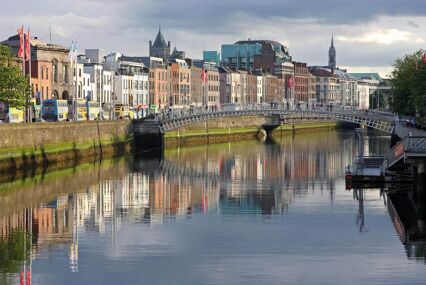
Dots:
pixel 368 34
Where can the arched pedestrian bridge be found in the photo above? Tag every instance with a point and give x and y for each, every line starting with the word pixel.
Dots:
pixel 380 121
pixel 153 128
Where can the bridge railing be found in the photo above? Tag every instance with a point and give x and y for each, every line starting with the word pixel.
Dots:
pixel 408 144
pixel 172 114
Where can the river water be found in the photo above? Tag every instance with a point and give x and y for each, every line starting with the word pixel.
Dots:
pixel 253 212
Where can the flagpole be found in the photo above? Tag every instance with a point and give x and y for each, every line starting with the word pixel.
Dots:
pixel 24 50
pixel 74 58
pixel 29 69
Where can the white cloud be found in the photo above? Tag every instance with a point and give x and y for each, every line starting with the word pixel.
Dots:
pixel 379 37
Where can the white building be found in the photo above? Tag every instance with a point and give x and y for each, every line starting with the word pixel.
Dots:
pixel 87 88
pixel 106 98
pixel 123 89
pixel 230 86
pixel 78 81
pixel 141 94
pixel 243 86
pixel 95 71
pixel 365 91
pixel 259 89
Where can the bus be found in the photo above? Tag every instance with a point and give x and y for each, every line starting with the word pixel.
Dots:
pixel 93 110
pixel 121 111
pixel 81 110
pixel 10 115
pixel 53 110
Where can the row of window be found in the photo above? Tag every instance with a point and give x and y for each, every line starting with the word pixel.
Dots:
pixel 65 75
pixel 213 88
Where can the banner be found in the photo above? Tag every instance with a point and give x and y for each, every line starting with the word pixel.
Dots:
pixel 28 46
pixel 21 41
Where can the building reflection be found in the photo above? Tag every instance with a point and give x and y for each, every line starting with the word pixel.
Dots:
pixel 242 177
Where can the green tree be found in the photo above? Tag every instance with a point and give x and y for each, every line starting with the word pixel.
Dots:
pixel 14 87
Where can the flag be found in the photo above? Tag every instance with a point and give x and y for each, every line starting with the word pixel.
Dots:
pixel 22 278
pixel 21 41
pixel 73 51
pixel 204 75
pixel 28 281
pixel 28 46
pixel 290 82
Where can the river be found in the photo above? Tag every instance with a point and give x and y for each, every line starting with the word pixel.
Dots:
pixel 252 212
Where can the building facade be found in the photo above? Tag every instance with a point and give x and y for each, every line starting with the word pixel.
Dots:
pixel 327 86
pixel 212 88
pixel 301 82
pixel 158 88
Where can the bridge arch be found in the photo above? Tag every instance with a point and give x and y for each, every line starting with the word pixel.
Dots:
pixel 383 122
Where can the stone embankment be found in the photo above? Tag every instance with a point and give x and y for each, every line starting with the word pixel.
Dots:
pixel 37 145
pixel 40 144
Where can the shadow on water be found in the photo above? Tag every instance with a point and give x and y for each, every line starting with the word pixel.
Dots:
pixel 407 209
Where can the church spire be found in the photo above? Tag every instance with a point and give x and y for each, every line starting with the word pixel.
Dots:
pixel 160 48
pixel 332 55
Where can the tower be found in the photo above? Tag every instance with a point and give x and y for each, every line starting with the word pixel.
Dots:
pixel 160 48
pixel 332 56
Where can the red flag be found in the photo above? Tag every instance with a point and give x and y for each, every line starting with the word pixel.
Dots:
pixel 28 46
pixel 290 82
pixel 204 77
pixel 21 279
pixel 21 41
pixel 28 281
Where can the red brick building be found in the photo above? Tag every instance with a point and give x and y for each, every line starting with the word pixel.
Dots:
pixel 301 82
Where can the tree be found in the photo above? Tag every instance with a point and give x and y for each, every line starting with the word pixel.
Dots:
pixel 14 87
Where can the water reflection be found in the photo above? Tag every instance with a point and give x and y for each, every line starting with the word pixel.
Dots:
pixel 406 206
pixel 234 181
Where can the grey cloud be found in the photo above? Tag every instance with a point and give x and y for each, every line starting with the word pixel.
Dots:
pixel 194 25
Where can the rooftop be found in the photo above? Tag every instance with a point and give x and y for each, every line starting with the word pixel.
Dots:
pixel 367 76
pixel 159 40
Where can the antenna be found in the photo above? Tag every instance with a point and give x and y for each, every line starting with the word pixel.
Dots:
pixel 50 34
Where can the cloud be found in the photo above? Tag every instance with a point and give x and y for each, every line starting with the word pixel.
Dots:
pixel 380 37
pixel 367 33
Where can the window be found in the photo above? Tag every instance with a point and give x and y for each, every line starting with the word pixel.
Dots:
pixel 47 73
pixel 55 73
pixel 65 73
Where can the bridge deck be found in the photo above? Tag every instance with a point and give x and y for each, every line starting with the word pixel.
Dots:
pixel 377 120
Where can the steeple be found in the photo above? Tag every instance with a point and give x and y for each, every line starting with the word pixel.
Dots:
pixel 332 56
pixel 160 48
pixel 159 40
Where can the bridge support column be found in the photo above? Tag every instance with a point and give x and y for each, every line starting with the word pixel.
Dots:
pixel 147 135
pixel 421 199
